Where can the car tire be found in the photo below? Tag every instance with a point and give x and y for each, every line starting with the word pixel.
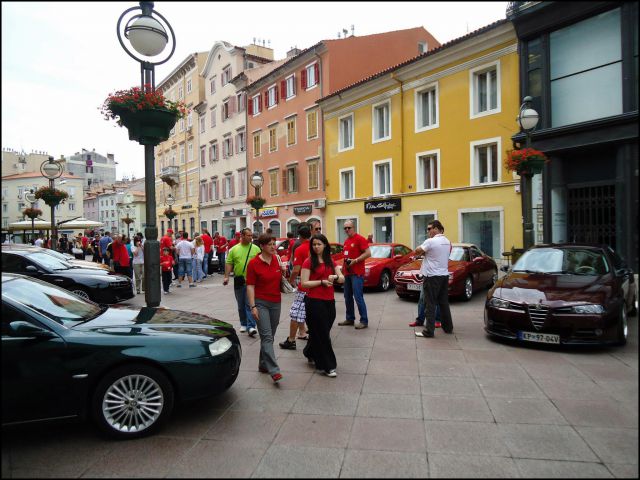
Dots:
pixel 385 281
pixel 494 278
pixel 124 384
pixel 467 291
pixel 622 328
pixel 81 293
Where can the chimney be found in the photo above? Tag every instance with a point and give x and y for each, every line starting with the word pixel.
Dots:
pixel 293 52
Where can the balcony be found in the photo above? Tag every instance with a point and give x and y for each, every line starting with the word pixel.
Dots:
pixel 170 175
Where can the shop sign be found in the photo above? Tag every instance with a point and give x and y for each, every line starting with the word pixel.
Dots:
pixel 187 206
pixel 234 212
pixel 388 205
pixel 303 210
pixel 268 212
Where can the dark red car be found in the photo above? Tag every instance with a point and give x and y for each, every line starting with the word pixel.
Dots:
pixel 381 266
pixel 563 294
pixel 469 270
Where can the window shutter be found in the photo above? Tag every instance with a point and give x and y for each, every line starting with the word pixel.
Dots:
pixel 284 181
pixel 283 88
pixel 222 113
pixel 303 79
pixel 316 67
pixel 293 85
pixel 232 105
pixel 276 92
pixel 233 186
pixel 295 179
pixel 250 106
pixel 230 143
pixel 266 99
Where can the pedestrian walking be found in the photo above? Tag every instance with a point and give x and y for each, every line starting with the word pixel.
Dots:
pixel 208 244
pixel 234 241
pixel 102 247
pixel 263 292
pixel 435 269
pixel 166 263
pixel 220 242
pixel 318 276
pixel 198 257
pixel 138 264
pixel 39 241
pixel 185 251
pixel 120 256
pixel 356 250
pixel 237 260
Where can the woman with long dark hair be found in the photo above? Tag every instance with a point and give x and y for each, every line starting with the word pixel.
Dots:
pixel 318 276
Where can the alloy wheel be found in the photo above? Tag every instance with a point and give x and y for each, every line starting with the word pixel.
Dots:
pixel 81 293
pixel 468 288
pixel 132 403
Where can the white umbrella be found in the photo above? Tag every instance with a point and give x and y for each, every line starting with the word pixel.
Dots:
pixel 80 223
pixel 26 225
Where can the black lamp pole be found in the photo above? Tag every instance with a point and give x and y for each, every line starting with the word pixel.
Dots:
pixel 256 182
pixel 31 198
pixel 528 119
pixel 51 169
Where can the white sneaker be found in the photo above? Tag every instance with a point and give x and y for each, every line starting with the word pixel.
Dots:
pixel 252 332
pixel 243 329
pixel 331 373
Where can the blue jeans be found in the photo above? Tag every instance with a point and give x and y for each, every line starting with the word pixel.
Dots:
pixel 246 319
pixel 221 257
pixel 196 267
pixel 205 265
pixel 354 288
pixel 184 267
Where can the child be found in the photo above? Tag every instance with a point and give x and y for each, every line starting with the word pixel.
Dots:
pixel 166 262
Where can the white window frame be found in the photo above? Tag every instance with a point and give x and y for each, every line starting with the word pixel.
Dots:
pixel 419 176
pixel 242 182
pixel 474 180
pixel 374 121
pixel 340 139
pixel 227 142
pixel 271 97
pixel 376 192
pixel 182 154
pixel 212 84
pixel 473 90
pixel 243 141
pixel 293 167
pixel 357 226
pixel 416 214
pixel 226 74
pixel 393 226
pixel 291 78
pixel 190 120
pixel 189 85
pixel 256 103
pixel 418 107
pixel 203 123
pixel 311 67
pixel 190 152
pixel 353 186
pixel 180 92
pixel 479 210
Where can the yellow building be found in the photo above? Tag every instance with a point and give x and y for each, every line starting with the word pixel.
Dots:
pixel 177 162
pixel 427 139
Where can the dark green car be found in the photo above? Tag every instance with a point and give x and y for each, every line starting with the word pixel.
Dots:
pixel 64 356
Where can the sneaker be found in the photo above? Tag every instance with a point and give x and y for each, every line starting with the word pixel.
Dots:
pixel 252 332
pixel 288 344
pixel 138 292
pixel 276 377
pixel 416 324
pixel 424 333
pixel 243 329
pixel 438 325
pixel 346 323
pixel 361 325
pixel 192 285
pixel 167 291
pixel 331 373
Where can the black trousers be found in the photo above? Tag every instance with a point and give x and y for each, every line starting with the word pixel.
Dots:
pixel 320 317
pixel 437 293
pixel 166 280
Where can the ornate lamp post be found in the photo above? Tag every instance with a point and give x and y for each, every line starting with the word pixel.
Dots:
pixel 51 169
pixel 149 38
pixel 527 119
pixel 31 198
pixel 256 182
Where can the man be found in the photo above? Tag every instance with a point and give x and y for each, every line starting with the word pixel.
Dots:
pixel 185 251
pixel 85 244
pixel 220 242
pixel 208 243
pixel 102 247
pixel 234 241
pixel 39 241
pixel 120 256
pixel 435 269
pixel 315 227
pixel 237 260
pixel 297 313
pixel 356 251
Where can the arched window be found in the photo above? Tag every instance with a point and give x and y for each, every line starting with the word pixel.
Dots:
pixel 292 226
pixel 257 227
pixel 274 225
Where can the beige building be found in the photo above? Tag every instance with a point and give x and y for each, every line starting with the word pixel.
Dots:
pixel 14 162
pixel 223 137
pixel 176 159
pixel 132 206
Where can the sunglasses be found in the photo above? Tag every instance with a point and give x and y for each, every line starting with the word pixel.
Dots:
pixel 348 228
pixel 317 229
pixel 428 228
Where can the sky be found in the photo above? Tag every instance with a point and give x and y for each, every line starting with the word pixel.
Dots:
pixel 60 60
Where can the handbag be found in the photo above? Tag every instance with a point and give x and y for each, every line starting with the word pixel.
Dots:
pixel 76 251
pixel 239 281
pixel 285 286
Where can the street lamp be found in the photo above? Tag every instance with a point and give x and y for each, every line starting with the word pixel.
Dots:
pixel 31 198
pixel 51 170
pixel 527 119
pixel 169 202
pixel 256 182
pixel 149 38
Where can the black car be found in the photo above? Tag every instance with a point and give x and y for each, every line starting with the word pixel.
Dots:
pixel 122 367
pixel 98 285
pixel 66 257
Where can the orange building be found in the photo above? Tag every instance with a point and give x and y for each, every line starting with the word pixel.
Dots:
pixel 284 123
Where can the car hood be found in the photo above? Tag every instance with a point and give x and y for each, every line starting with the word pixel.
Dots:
pixel 89 265
pixel 417 264
pixel 78 270
pixel 532 288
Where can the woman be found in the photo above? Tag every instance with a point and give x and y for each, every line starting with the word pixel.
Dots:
pixel 198 258
pixel 318 276
pixel 138 263
pixel 263 295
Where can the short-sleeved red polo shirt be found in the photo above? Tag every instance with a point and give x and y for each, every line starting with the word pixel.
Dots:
pixel 300 255
pixel 321 273
pixel 354 247
pixel 265 277
pixel 208 242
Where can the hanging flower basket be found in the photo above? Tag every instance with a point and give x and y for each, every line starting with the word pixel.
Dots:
pixel 127 220
pixel 51 196
pixel 256 202
pixel 32 213
pixel 526 161
pixel 170 213
pixel 147 115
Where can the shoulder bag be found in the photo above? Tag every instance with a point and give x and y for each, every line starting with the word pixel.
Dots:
pixel 285 286
pixel 238 280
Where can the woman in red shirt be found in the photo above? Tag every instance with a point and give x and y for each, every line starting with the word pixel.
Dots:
pixel 263 295
pixel 318 276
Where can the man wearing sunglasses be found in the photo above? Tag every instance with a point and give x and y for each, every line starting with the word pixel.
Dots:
pixel 356 251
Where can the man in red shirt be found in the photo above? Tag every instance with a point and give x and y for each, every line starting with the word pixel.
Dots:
pixel 121 263
pixel 220 242
pixel 234 241
pixel 356 250
pixel 208 243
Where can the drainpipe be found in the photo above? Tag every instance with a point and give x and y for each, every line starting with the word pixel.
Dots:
pixel 320 121
pixel 401 169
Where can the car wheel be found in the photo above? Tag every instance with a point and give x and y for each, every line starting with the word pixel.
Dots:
pixel 494 278
pixel 467 293
pixel 132 401
pixel 622 329
pixel 81 293
pixel 385 281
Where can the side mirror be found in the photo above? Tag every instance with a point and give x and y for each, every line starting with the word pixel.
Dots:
pixel 21 328
pixel 477 259
pixel 32 269
pixel 504 268
pixel 397 257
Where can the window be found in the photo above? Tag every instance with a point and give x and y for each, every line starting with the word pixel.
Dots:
pixel 340 228
pixel 255 107
pixel 428 171
pixel 292 179
pixel 273 183
pixel 485 90
pixel 227 147
pixel 427 108
pixel 189 85
pixel 420 222
pixel 289 90
pixel 191 188
pixel 383 229
pixel 181 124
pixel 180 92
pixel 228 187
pixel 272 96
pixel 486 164
pixel 241 100
pixel 242 182
pixel 422 47
pixel 226 75
pixel 256 144
pixel 313 173
pixel 190 152
pixel 274 225
pixel 213 152
pixel 214 112
pixel 241 144
pixel 216 190
pixel 202 124
pixel 181 154
pixel 226 109
pixel 291 131
pixel 203 192
pixel 382 178
pixel 312 124
pixel 71 191
pixel 212 85
pixel 345 133
pixel 347 185
pixel 482 228
pixel 202 156
pixel 273 140
pixel 381 123
pixel 72 207
pixel 309 76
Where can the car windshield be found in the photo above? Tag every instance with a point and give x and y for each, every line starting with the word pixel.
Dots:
pixel 48 261
pixel 380 251
pixel 55 254
pixel 459 253
pixel 571 261
pixel 50 301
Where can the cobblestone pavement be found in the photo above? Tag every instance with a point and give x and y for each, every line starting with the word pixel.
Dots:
pixel 457 405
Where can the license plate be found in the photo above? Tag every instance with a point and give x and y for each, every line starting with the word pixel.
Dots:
pixel 413 286
pixel 539 337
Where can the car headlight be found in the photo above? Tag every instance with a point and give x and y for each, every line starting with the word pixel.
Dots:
pixel 588 309
pixel 220 346
pixel 498 303
pixel 450 275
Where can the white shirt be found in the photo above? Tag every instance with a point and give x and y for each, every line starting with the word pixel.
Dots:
pixel 184 249
pixel 39 242
pixel 200 252
pixel 436 256
pixel 138 255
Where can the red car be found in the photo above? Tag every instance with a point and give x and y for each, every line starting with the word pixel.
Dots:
pixel 381 266
pixel 469 270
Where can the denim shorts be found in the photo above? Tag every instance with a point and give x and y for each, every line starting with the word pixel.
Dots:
pixel 184 266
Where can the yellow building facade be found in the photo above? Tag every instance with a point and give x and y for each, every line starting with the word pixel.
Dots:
pixel 427 139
